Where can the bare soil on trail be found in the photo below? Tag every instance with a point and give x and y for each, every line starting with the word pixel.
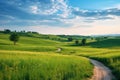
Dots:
pixel 101 72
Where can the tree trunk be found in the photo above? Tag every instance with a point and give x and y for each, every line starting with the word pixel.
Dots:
pixel 14 42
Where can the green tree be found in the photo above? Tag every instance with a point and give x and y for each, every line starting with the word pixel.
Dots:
pixel 14 37
pixel 7 31
pixel 76 42
pixel 83 41
pixel 70 39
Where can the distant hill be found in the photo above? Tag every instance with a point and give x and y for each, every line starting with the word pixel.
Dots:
pixel 118 35
pixel 107 43
pixel 62 38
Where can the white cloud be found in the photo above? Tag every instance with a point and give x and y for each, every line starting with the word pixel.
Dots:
pixel 58 7
pixel 34 9
pixel 58 12
pixel 83 28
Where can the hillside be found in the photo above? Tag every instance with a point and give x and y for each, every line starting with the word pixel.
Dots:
pixel 104 50
pixel 107 43
pixel 36 58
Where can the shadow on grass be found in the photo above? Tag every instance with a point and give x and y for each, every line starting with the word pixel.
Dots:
pixel 108 43
pixel 5 44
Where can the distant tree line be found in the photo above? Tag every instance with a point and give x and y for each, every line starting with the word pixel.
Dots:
pixel 78 39
pixel 7 31
pixel 34 35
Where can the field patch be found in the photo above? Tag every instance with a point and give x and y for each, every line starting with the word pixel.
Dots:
pixel 15 65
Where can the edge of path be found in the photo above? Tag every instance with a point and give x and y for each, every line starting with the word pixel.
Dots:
pixel 101 72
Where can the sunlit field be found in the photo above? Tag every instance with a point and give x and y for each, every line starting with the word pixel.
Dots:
pixel 59 39
pixel 36 58
pixel 18 65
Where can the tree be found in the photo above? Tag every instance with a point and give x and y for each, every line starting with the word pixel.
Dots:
pixel 92 38
pixel 83 41
pixel 7 31
pixel 76 42
pixel 70 39
pixel 35 32
pixel 14 37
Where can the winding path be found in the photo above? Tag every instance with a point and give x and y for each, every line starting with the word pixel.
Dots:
pixel 101 72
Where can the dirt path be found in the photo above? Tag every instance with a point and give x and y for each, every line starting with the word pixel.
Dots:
pixel 100 71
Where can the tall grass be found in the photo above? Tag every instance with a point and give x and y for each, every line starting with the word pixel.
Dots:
pixel 106 51
pixel 18 65
pixel 110 58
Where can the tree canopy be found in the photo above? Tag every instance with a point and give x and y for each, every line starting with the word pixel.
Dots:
pixel 14 37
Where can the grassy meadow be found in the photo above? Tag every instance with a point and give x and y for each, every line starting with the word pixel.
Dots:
pixel 17 65
pixel 35 57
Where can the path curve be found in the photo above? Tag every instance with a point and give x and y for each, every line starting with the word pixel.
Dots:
pixel 101 72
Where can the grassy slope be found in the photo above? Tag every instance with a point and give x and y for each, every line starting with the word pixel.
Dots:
pixel 17 65
pixel 106 51
pixel 35 59
pixel 108 43
pixel 28 44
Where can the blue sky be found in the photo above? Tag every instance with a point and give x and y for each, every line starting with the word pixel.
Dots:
pixel 93 4
pixel 84 17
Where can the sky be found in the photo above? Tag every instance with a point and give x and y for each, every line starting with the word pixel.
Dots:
pixel 70 17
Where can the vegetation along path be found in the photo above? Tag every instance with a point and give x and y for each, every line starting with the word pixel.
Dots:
pixel 101 72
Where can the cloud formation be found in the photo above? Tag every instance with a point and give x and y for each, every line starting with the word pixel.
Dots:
pixel 97 14
pixel 38 10
pixel 54 13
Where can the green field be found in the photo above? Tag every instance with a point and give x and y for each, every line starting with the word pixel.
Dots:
pixel 36 58
pixel 17 65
